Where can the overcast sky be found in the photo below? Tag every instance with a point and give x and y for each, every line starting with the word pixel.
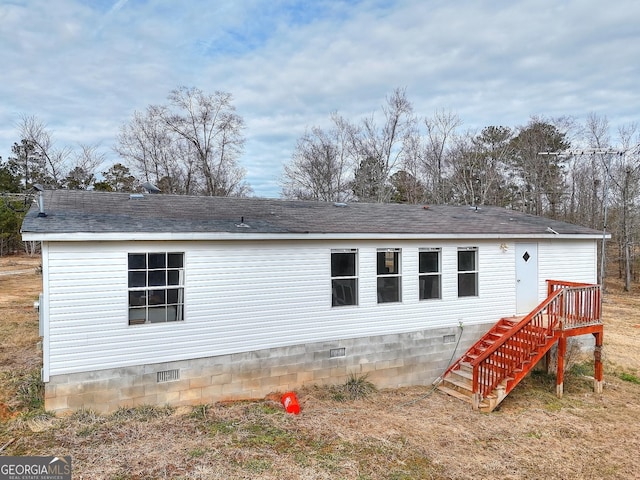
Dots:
pixel 84 67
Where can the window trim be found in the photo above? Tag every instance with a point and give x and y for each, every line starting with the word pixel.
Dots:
pixel 172 285
pixel 337 278
pixel 382 276
pixel 475 272
pixel 437 273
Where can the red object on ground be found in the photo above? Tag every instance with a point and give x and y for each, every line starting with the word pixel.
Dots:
pixel 290 402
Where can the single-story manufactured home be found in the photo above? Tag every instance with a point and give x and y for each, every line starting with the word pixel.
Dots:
pixel 165 299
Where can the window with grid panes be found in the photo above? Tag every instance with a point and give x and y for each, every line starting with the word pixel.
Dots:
pixel 156 287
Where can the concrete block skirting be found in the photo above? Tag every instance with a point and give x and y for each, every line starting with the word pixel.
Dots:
pixel 398 360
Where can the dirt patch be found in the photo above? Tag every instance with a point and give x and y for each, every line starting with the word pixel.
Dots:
pixel 19 338
pixel 5 414
pixel 394 434
pixel 622 331
pixel 13 263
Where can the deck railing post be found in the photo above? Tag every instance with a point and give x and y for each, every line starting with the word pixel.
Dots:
pixel 547 361
pixel 561 313
pixel 562 348
pixel 475 400
pixel 597 363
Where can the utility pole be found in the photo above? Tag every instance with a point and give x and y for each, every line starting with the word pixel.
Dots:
pixel 606 153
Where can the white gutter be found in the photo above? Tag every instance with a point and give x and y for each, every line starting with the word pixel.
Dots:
pixel 246 236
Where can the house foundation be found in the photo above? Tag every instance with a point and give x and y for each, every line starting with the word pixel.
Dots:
pixel 389 361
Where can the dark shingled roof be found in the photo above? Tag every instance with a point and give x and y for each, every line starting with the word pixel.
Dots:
pixel 69 211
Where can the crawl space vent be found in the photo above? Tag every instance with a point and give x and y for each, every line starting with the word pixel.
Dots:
pixel 168 376
pixel 337 352
pixel 449 338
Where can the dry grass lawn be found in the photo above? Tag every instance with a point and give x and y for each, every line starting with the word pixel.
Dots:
pixel 407 433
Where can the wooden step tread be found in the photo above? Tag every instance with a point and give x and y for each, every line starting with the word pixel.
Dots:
pixel 511 320
pixel 462 384
pixel 464 398
pixel 465 373
pixel 454 393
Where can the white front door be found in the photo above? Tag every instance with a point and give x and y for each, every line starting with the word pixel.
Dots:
pixel 526 277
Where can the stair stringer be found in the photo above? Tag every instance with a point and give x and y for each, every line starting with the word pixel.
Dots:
pixel 490 402
pixel 502 326
pixel 458 390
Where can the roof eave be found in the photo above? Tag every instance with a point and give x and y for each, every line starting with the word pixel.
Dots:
pixel 248 236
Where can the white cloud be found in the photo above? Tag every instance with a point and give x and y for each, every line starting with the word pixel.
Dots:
pixel 85 67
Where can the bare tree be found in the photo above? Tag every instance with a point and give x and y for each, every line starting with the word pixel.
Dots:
pixel 625 177
pixel 407 181
pixel 52 160
pixel 351 160
pixel 379 150
pixel 213 130
pixel 86 162
pixel 440 139
pixel 585 171
pixel 228 176
pixel 321 164
pixel 156 155
pixel 189 146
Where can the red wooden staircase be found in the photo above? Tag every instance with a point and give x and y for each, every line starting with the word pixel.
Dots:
pixel 497 362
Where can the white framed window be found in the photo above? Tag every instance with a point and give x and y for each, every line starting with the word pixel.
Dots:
pixel 389 275
pixel 468 272
pixel 344 277
pixel 430 275
pixel 156 287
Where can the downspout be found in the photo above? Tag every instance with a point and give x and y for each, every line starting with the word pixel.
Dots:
pixel 44 313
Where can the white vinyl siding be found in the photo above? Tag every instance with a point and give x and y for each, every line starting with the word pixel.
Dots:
pixel 244 296
pixel 576 260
